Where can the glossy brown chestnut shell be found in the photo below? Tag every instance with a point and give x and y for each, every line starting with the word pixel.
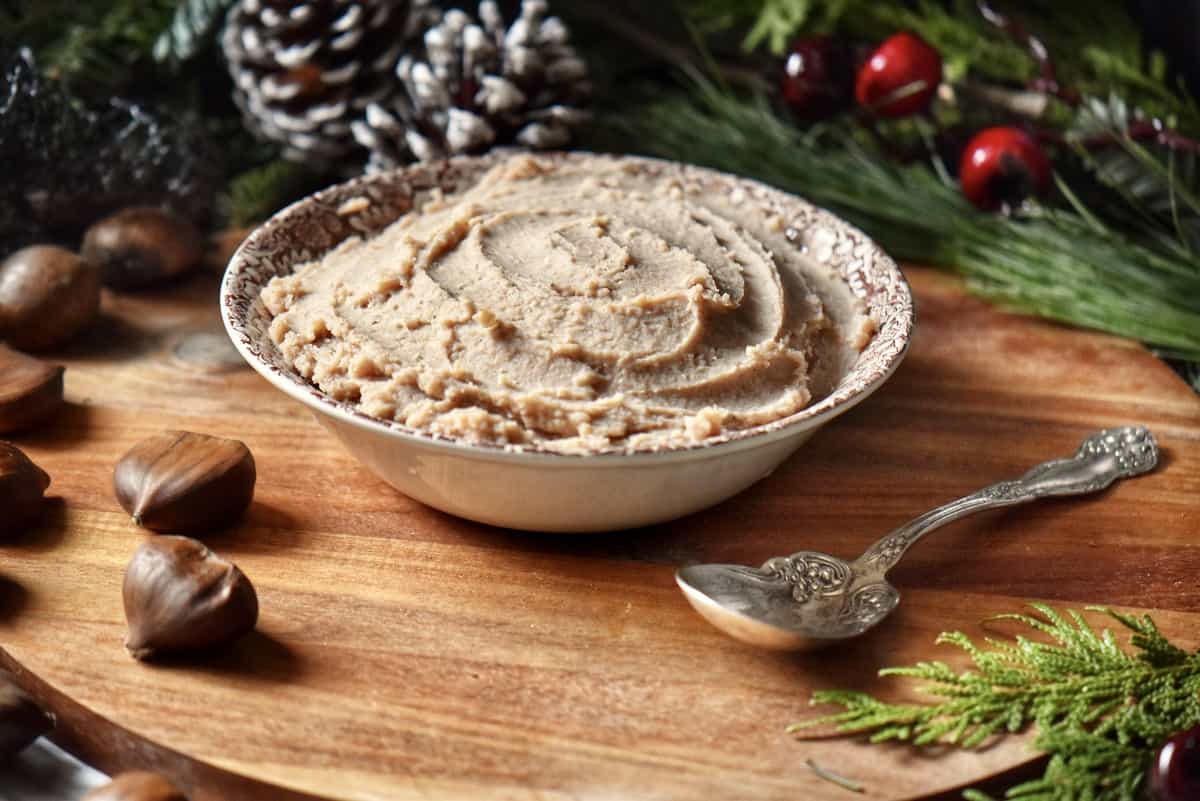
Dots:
pixel 184 482
pixel 30 390
pixel 47 295
pixel 142 246
pixel 180 598
pixel 22 487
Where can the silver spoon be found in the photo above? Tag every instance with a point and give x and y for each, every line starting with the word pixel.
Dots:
pixel 811 599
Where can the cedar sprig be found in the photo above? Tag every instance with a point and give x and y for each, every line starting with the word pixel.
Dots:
pixel 1100 711
pixel 1084 767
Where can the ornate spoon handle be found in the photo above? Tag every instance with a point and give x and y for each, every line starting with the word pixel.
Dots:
pixel 1103 458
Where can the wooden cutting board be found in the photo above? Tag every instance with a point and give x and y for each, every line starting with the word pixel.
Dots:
pixel 406 654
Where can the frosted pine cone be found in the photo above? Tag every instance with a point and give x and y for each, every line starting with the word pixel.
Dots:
pixel 479 84
pixel 303 69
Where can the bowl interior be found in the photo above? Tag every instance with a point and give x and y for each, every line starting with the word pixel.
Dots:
pixel 308 229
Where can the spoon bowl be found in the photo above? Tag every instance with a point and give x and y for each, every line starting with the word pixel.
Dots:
pixel 761 609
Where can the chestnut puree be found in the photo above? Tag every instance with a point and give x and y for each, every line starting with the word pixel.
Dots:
pixel 590 304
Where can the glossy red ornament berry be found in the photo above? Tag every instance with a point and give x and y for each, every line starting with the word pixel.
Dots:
pixel 1175 773
pixel 816 77
pixel 1002 166
pixel 900 77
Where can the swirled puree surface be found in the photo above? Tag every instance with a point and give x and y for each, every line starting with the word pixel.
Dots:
pixel 582 305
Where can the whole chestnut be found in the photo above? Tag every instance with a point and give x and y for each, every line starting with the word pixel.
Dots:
pixel 184 482
pixel 137 785
pixel 47 295
pixel 30 390
pixel 180 597
pixel 142 246
pixel 22 485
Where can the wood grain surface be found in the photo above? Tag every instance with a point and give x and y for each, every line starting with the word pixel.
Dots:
pixel 406 654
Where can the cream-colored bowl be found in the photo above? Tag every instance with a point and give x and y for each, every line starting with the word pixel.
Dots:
pixel 545 491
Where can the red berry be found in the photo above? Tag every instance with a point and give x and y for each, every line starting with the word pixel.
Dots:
pixel 1002 166
pixel 1175 773
pixel 816 77
pixel 900 77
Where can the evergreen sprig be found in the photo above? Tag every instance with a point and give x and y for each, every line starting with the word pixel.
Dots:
pixel 96 49
pixel 1101 712
pixel 258 193
pixel 1157 185
pixel 194 24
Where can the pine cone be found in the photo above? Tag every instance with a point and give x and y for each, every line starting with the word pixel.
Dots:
pixel 303 69
pixel 480 84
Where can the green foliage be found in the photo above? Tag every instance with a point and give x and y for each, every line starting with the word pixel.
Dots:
pixel 1101 712
pixel 261 191
pixel 1157 187
pixel 194 24
pixel 95 48
pixel 773 22
pixel 1066 264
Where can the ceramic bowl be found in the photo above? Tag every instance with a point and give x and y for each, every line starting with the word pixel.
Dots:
pixel 541 490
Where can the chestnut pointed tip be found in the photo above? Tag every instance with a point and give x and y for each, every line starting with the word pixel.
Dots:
pixel 140 654
pixel 43 478
pixel 135 646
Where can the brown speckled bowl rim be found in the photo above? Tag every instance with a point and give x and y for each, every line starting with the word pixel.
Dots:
pixel 310 227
